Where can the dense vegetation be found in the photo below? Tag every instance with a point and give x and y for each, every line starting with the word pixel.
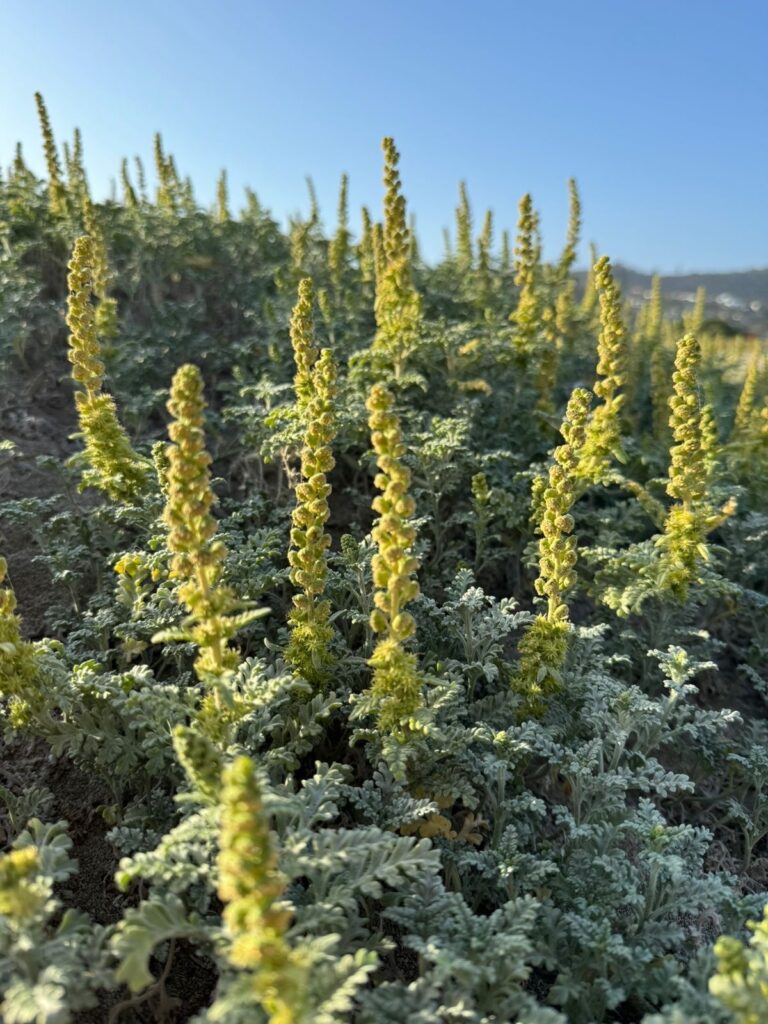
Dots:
pixel 422 675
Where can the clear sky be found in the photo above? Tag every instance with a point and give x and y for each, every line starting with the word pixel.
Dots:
pixel 658 107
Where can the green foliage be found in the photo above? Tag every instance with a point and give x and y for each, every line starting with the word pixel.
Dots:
pixel 52 963
pixel 516 789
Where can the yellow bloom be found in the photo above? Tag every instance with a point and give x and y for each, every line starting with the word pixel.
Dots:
pixel 197 553
pixel 543 648
pixel 396 684
pixel 251 888
pixel 311 632
pixel 398 304
pixel 603 441
pixel 115 468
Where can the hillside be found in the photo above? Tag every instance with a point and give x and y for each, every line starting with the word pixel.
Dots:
pixel 379 641
pixel 738 298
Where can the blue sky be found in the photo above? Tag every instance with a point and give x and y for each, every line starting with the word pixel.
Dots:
pixel 659 108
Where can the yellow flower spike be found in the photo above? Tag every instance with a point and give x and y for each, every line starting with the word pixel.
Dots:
pixel 130 199
pixel 106 308
pixel 326 309
pixel 568 256
pixel 311 633
pixel 223 216
pixel 740 982
pixel 527 315
pixel 161 465
pixel 548 360
pixel 397 685
pixel 543 648
pixel 200 759
pixel 167 178
pixel 745 408
pixel 464 252
pixel 299 236
pixel 251 888
pixel 589 298
pixel 686 476
pixel 481 490
pixel 365 254
pixel 692 322
pixel 692 457
pixel 506 253
pixel 19 897
pixel 660 391
pixel 134 580
pixel 18 665
pixel 484 275
pixel 604 430
pixel 655 313
pixel 57 193
pixel 115 468
pixel 377 246
pixel 339 247
pixel 85 351
pixel 197 554
pixel 397 306
pixel 77 182
pixel 305 349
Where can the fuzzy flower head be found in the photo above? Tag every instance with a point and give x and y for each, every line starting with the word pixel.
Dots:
pixel 543 648
pixel 604 431
pixel 397 685
pixel 398 305
pixel 305 349
pixel 311 632
pixel 197 554
pixel 528 313
pixel 115 468
pixel 251 887
pixel 18 664
pixel 20 897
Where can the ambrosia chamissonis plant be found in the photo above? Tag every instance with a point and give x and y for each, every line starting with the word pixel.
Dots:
pixel 544 646
pixel 568 256
pixel 603 443
pixel 693 515
pixel 527 315
pixel 115 467
pixel 398 304
pixel 741 980
pixel 447 777
pixel 106 308
pixel 57 193
pixel 250 886
pixel 198 554
pixel 397 685
pixel 315 385
pixel 19 669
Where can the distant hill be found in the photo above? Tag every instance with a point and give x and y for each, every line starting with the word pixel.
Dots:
pixel 738 298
